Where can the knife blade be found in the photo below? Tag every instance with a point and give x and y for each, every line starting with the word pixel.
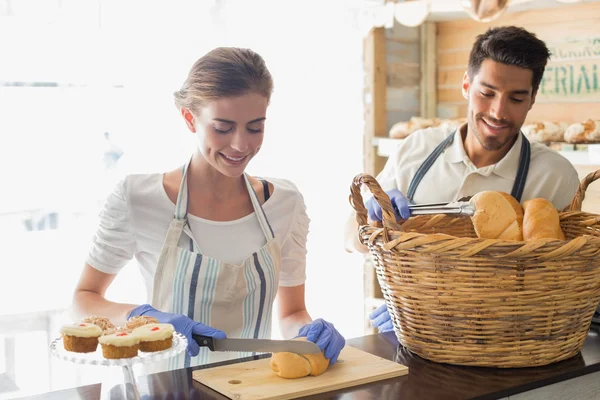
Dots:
pixel 257 345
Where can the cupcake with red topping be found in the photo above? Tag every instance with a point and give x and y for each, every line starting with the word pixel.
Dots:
pixel 81 337
pixel 120 345
pixel 155 337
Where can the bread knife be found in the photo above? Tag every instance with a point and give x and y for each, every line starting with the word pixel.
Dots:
pixel 257 345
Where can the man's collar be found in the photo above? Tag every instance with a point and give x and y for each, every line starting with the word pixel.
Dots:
pixel 506 167
pixel 456 152
pixel 509 164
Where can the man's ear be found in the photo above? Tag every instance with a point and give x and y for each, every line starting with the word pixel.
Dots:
pixel 466 83
pixel 189 119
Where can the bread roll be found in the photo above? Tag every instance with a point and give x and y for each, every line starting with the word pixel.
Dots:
pixel 514 230
pixel 545 131
pixel 495 217
pixel 541 220
pixel 582 132
pixel 292 365
pixel 401 130
pixel 450 125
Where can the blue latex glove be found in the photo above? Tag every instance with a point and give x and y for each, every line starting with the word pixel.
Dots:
pixel 325 335
pixel 381 319
pixel 399 204
pixel 182 324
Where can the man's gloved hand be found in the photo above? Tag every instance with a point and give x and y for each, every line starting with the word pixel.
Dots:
pixel 325 335
pixel 381 319
pixel 182 324
pixel 399 204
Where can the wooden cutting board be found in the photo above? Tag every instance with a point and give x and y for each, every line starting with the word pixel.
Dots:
pixel 255 380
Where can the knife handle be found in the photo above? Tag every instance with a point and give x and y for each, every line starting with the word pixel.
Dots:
pixel 204 341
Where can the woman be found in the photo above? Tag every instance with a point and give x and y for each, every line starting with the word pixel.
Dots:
pixel 214 245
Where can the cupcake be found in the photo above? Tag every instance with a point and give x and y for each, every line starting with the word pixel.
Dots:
pixel 81 337
pixel 136 322
pixel 155 337
pixel 103 322
pixel 119 345
pixel 117 329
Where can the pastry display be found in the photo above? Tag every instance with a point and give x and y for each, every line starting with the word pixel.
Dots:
pixel 81 337
pixel 536 131
pixel 119 345
pixel 155 337
pixel 292 365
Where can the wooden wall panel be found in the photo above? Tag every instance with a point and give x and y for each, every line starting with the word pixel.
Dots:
pixel 455 38
pixel 403 56
pixel 375 96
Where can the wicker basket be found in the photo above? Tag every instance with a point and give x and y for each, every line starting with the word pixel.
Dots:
pixel 458 299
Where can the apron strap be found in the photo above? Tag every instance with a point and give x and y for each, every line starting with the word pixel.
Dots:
pixel 182 197
pixel 412 188
pixel 260 213
pixel 266 189
pixel 520 179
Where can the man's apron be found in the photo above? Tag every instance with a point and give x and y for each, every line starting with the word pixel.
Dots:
pixel 237 299
pixel 520 179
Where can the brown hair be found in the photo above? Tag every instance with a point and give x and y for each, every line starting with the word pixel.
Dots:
pixel 510 45
pixel 224 72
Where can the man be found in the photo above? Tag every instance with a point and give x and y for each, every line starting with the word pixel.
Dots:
pixel 505 68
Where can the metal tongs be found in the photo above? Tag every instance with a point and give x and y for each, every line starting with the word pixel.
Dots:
pixel 460 207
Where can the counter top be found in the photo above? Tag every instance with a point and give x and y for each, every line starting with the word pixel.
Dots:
pixel 426 380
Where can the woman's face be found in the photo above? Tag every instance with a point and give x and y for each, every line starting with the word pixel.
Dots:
pixel 230 131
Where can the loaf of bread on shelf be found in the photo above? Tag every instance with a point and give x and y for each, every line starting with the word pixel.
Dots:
pixel 583 132
pixel 541 220
pixel 401 130
pixel 450 125
pixel 496 217
pixel 545 131
pixel 292 365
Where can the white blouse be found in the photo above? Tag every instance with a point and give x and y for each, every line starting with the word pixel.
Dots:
pixel 137 214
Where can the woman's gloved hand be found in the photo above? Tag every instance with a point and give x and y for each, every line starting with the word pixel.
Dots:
pixel 325 336
pixel 182 324
pixel 381 319
pixel 399 204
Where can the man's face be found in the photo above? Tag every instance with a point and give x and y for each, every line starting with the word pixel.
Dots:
pixel 499 96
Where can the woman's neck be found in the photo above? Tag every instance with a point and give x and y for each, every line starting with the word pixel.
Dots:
pixel 204 178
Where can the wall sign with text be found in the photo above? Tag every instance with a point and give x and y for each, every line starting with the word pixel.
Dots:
pixel 573 73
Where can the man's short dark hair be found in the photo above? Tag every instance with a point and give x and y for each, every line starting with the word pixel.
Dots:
pixel 510 45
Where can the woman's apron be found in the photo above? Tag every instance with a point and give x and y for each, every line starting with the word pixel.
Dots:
pixel 520 179
pixel 237 299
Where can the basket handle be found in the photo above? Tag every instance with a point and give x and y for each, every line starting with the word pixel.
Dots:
pixel 580 195
pixel 356 200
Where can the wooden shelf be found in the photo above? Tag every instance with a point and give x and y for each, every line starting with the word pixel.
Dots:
pixel 588 156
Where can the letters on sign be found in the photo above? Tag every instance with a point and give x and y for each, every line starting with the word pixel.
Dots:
pixel 573 72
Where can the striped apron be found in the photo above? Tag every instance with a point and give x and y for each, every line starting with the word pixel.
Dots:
pixel 520 179
pixel 237 299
